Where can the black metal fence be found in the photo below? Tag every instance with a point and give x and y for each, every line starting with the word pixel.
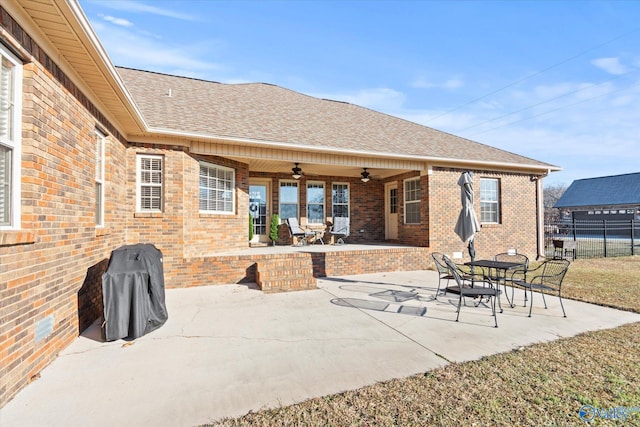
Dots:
pixel 593 239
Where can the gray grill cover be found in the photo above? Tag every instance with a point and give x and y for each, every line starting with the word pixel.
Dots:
pixel 133 292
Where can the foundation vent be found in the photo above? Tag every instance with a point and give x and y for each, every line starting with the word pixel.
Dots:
pixel 44 328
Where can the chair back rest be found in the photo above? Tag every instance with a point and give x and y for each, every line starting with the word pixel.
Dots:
pixel 341 225
pixel 440 265
pixel 519 258
pixel 294 226
pixel 554 271
pixel 453 269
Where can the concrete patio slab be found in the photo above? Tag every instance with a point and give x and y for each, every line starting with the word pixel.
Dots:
pixel 226 350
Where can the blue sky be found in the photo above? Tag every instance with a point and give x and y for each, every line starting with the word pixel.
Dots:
pixel 557 81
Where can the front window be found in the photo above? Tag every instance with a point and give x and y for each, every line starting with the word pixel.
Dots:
pixel 289 199
pixel 412 201
pixel 315 203
pixel 489 200
pixel 99 178
pixel 10 142
pixel 217 189
pixel 149 183
pixel 340 200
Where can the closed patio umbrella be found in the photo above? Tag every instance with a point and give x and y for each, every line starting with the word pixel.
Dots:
pixel 467 225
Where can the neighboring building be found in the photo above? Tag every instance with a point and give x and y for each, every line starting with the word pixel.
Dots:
pixel 611 198
pixel 93 157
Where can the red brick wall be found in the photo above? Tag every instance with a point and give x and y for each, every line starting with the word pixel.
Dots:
pixel 58 253
pixel 517 227
pixel 413 234
pixel 180 231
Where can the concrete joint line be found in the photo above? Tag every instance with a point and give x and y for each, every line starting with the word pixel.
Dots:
pixel 390 327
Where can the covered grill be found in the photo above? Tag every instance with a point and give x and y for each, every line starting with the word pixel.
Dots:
pixel 133 292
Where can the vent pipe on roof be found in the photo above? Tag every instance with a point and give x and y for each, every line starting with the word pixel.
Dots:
pixel 169 93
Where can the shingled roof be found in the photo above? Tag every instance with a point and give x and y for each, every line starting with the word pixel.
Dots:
pixel 265 112
pixel 602 191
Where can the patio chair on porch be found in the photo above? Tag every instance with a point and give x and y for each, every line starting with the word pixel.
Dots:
pixel 299 235
pixel 546 278
pixel 340 229
pixel 486 291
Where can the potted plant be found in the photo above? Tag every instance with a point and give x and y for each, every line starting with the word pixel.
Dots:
pixel 250 229
pixel 273 230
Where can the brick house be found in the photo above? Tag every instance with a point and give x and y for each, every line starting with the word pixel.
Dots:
pixel 93 157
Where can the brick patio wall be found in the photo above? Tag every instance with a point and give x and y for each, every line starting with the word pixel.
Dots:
pixel 296 270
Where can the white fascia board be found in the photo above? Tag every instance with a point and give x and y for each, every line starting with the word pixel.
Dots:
pixel 86 33
pixel 289 146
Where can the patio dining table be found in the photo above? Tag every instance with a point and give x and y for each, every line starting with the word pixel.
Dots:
pixel 501 268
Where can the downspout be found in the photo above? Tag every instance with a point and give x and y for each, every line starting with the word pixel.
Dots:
pixel 539 214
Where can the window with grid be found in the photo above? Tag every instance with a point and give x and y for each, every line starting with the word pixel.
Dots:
pixel 315 203
pixel 288 199
pixel 340 200
pixel 217 189
pixel 10 142
pixel 149 180
pixel 393 201
pixel 489 200
pixel 412 201
pixel 99 178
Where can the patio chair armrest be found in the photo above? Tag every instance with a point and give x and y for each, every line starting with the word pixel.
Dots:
pixel 522 272
pixel 479 276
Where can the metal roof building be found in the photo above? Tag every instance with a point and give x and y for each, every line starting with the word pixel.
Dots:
pixel 616 190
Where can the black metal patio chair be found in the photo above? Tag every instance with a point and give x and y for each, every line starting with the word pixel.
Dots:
pixel 443 272
pixel 482 288
pixel 546 278
pixel 514 274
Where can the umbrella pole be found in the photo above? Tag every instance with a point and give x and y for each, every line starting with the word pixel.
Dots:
pixel 472 255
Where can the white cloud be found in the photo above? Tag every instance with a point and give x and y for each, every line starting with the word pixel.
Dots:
pixel 610 65
pixel 117 21
pixel 139 7
pixel 450 84
pixel 592 131
pixel 130 49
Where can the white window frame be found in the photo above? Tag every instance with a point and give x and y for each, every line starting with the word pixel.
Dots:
pixel 312 184
pixel 288 183
pixel 333 202
pixel 217 188
pixel 487 200
pixel 13 139
pixel 411 200
pixel 100 143
pixel 140 185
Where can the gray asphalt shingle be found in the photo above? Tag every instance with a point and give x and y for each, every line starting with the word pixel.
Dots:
pixel 265 112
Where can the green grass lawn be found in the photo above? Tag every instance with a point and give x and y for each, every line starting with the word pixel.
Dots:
pixel 543 384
